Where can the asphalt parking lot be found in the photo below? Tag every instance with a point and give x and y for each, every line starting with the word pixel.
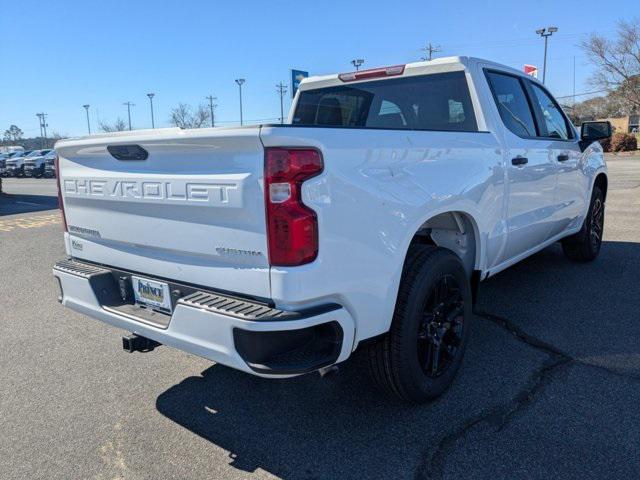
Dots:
pixel 550 386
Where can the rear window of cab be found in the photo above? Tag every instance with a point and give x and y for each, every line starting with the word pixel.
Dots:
pixel 438 101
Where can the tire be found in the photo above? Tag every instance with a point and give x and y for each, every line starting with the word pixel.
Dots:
pixel 403 361
pixel 585 245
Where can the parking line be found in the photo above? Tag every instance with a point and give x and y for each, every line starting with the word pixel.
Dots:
pixel 34 221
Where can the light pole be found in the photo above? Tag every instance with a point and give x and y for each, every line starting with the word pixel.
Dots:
pixel 240 81
pixel 545 33
pixel 212 105
pixel 86 107
pixel 357 62
pixel 129 105
pixel 153 123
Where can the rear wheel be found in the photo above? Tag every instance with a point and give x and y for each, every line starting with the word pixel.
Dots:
pixel 419 357
pixel 585 245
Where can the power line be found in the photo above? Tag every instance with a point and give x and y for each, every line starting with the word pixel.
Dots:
pixel 43 127
pixel 521 41
pixel 129 105
pixel 583 94
pixel 430 50
pixel 281 88
pixel 211 98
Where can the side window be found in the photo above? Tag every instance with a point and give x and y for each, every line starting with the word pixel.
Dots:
pixel 512 104
pixel 554 120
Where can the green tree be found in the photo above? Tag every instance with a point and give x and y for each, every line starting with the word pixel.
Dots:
pixel 13 134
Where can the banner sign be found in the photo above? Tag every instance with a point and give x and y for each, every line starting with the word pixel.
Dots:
pixel 531 70
pixel 296 78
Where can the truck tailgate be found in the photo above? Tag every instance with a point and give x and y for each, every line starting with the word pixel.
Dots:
pixel 192 211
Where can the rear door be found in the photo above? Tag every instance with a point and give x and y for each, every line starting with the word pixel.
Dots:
pixel 531 168
pixel 192 211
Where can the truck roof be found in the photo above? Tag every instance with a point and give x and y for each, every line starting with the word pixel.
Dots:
pixel 437 65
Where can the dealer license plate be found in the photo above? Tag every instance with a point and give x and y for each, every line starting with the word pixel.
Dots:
pixel 152 293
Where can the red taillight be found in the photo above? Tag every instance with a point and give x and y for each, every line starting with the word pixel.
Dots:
pixel 292 227
pixel 372 73
pixel 56 162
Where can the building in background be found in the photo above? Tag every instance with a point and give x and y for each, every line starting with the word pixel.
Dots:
pixel 628 124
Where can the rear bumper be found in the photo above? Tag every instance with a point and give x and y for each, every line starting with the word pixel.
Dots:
pixel 263 341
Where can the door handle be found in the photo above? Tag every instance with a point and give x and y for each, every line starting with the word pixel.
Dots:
pixel 519 161
pixel 563 157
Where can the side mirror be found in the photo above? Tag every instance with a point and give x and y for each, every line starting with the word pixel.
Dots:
pixel 593 131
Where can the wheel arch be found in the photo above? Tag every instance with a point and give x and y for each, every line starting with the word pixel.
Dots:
pixel 601 181
pixel 455 230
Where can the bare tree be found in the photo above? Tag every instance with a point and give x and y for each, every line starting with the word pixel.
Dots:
pixel 118 126
pixel 599 107
pixel 617 63
pixel 184 116
pixel 55 135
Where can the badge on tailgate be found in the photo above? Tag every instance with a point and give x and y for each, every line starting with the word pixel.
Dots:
pixel 151 293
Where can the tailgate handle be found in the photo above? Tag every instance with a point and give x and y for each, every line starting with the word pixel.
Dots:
pixel 128 152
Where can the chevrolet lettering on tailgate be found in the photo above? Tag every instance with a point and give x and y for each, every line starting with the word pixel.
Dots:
pixel 220 194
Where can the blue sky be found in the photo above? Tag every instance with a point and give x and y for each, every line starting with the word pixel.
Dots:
pixel 57 56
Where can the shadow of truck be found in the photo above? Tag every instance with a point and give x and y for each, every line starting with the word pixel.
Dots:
pixel 340 427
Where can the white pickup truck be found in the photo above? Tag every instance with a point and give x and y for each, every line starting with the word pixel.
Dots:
pixel 366 221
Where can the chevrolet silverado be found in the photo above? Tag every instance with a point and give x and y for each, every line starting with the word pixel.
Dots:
pixel 366 221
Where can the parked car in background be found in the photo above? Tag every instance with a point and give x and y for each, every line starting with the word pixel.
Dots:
pixel 11 149
pixel 35 166
pixel 50 165
pixel 4 156
pixel 14 164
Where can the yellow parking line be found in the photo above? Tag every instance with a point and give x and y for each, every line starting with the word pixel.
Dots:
pixel 34 221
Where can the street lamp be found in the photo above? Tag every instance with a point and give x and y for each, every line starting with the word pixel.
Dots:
pixel 240 81
pixel 545 33
pixel 357 63
pixel 151 95
pixel 86 107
